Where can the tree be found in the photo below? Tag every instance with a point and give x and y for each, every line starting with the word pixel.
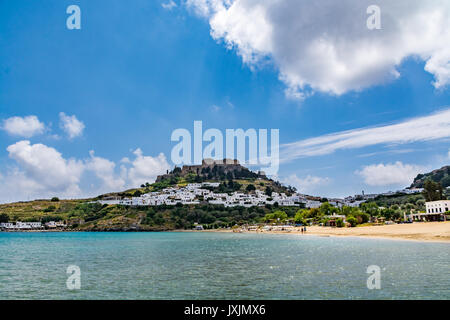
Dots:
pixel 291 190
pixel 346 210
pixel 176 170
pixel 46 219
pixel 361 217
pixel 339 223
pixel 397 215
pixel 314 213
pixel 409 207
pixel 190 177
pixel 445 182
pixel 370 207
pixel 327 209
pixel 50 209
pixel 4 218
pixel 275 216
pixel 352 220
pixel 269 191
pixel 365 217
pixel 55 199
pixel 388 213
pixel 300 216
pixel 433 191
pixel 420 204
pixel 250 188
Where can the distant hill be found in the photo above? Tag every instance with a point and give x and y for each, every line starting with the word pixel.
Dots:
pixel 219 170
pixel 87 214
pixel 222 171
pixel 441 175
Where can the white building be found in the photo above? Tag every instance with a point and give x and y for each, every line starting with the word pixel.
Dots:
pixel 193 193
pixel 412 190
pixel 211 184
pixel 192 186
pixel 55 224
pixel 109 202
pixel 354 204
pixel 21 226
pixel 440 206
pixel 313 204
pixel 35 225
pixel 6 225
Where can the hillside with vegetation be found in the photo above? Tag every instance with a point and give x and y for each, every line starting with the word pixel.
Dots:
pixel 441 176
pixel 432 191
pixel 231 178
pixel 98 217
pixel 39 210
pixel 90 215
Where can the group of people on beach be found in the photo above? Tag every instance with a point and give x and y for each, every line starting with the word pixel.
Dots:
pixel 303 229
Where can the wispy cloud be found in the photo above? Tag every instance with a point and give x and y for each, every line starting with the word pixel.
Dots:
pixel 215 108
pixel 395 151
pixel 169 5
pixel 432 127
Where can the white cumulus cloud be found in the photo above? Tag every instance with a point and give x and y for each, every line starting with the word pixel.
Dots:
pixel 146 168
pixel 41 170
pixel 71 125
pixel 307 184
pixel 104 169
pixel 326 45
pixel 25 127
pixel 390 174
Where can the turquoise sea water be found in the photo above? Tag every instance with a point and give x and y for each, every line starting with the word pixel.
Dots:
pixel 171 265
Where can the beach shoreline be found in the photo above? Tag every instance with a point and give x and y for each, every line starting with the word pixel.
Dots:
pixel 418 231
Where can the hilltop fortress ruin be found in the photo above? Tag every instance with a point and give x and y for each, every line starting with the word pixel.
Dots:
pixel 214 169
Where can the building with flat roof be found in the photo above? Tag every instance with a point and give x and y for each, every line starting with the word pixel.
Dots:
pixel 440 206
pixel 435 211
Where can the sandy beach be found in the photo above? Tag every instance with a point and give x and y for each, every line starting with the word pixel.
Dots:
pixel 419 231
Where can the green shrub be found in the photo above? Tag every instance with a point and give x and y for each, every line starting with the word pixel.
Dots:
pixel 4 217
pixel 50 209
pixel 352 220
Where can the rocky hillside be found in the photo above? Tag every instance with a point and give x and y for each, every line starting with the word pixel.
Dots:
pixel 218 170
pixel 209 171
pixel 441 175
pixel 87 214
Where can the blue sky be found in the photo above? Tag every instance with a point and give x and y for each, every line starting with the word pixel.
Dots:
pixel 136 71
